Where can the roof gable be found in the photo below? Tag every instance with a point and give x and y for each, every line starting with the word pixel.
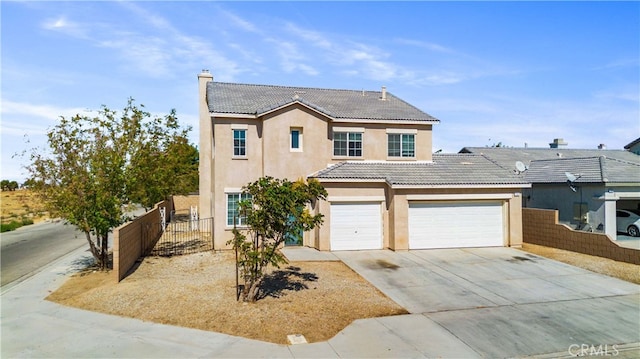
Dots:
pixel 257 100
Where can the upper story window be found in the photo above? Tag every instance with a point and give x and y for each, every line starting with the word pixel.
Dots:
pixel 239 143
pixel 347 144
pixel 401 145
pixel 295 143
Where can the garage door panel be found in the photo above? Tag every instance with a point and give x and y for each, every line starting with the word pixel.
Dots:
pixel 356 226
pixel 451 225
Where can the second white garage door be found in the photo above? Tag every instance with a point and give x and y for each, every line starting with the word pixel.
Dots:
pixel 356 226
pixel 455 225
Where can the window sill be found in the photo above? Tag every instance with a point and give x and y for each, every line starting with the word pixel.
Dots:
pixel 240 158
pixel 389 158
pixel 295 150
pixel 346 158
pixel 230 228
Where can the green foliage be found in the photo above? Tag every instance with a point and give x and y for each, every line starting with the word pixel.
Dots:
pixel 163 164
pixel 92 169
pixel 13 225
pixel 277 209
pixel 7 185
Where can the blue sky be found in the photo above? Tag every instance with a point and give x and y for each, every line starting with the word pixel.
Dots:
pixel 508 72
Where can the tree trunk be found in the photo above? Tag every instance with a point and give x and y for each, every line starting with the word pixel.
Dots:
pixel 252 290
pixel 105 252
pixel 92 247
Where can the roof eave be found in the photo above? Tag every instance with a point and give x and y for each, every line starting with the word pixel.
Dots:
pixel 458 185
pixel 232 115
pixel 387 121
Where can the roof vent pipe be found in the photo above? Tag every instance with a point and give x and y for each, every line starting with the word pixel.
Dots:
pixel 384 93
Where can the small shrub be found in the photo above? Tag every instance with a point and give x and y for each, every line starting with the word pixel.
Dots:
pixel 27 221
pixel 12 226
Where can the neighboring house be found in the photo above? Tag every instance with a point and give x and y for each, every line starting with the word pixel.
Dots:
pixel 633 146
pixel 373 153
pixel 605 180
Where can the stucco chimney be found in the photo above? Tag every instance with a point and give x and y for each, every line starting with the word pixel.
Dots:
pixel 384 93
pixel 205 130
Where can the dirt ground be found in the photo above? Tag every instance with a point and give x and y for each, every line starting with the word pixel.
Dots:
pixel 15 205
pixel 625 271
pixel 315 299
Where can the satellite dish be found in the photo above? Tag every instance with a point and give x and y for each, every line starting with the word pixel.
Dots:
pixel 571 177
pixel 520 167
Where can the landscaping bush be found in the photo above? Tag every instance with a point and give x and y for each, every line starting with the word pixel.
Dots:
pixel 11 226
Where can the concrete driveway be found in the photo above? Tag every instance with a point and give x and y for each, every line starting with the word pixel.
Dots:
pixel 502 302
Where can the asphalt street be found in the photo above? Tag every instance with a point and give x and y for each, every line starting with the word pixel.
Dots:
pixel 24 251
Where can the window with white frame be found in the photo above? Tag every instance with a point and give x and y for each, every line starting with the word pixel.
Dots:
pixel 239 143
pixel 347 144
pixel 401 145
pixel 295 143
pixel 233 208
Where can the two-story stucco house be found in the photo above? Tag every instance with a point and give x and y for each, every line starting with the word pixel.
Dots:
pixel 372 152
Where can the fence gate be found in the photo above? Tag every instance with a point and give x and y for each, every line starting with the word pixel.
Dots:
pixel 183 237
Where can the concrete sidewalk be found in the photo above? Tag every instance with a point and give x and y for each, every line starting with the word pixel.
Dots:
pixel 33 327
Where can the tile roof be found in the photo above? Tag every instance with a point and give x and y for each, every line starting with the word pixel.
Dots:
pixel 599 169
pixel 445 170
pixel 256 100
pixel 632 143
pixel 507 157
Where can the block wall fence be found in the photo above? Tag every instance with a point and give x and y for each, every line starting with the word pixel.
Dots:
pixel 133 240
pixel 540 226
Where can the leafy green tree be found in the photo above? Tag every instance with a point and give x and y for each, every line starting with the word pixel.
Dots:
pixel 9 185
pixel 29 183
pixel 163 164
pixel 277 209
pixel 88 174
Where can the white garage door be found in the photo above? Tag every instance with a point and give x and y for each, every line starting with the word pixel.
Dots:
pixel 455 224
pixel 356 226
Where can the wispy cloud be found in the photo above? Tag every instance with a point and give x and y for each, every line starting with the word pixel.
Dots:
pixel 158 54
pixel 65 26
pixel 426 45
pixel 240 23
pixel 48 112
pixel 619 63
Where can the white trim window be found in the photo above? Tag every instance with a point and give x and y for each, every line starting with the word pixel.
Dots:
pixel 239 143
pixel 295 139
pixel 401 145
pixel 347 144
pixel 233 200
